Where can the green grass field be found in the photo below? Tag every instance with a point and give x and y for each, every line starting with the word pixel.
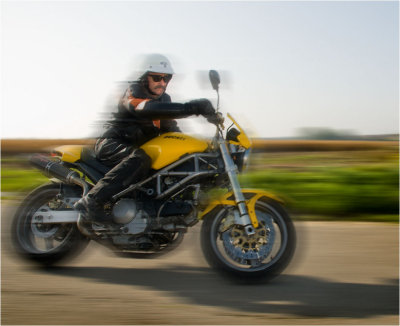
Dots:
pixel 356 185
pixel 339 185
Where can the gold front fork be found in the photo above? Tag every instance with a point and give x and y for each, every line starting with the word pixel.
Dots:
pixel 249 223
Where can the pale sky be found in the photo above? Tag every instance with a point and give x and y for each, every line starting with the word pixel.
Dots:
pixel 284 65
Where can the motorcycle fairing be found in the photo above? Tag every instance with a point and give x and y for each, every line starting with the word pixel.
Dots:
pixel 251 195
pixel 169 147
pixel 243 140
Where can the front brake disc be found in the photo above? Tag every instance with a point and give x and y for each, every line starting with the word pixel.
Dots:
pixel 250 249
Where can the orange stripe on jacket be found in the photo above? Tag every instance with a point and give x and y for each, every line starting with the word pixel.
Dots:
pixel 138 104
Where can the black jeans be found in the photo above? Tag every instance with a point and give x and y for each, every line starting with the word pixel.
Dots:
pixel 131 165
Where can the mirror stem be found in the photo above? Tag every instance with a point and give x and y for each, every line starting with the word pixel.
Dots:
pixel 217 100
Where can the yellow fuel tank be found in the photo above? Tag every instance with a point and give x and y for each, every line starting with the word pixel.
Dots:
pixel 169 147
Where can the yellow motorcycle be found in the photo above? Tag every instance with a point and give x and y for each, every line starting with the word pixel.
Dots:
pixel 246 234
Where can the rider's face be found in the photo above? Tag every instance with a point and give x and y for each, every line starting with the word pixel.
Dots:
pixel 158 85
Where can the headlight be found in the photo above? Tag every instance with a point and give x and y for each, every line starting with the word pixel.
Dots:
pixel 241 159
pixel 232 134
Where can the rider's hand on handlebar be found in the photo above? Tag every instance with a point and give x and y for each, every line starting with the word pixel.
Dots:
pixel 201 106
pixel 216 119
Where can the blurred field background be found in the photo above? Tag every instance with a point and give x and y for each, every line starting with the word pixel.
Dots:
pixel 317 179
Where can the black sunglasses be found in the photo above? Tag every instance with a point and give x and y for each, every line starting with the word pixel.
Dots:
pixel 157 78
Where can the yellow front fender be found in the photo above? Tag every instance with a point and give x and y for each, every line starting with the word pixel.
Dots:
pixel 251 195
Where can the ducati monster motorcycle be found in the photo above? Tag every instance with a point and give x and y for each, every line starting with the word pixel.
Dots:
pixel 246 234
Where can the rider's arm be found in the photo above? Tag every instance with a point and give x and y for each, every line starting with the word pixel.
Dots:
pixel 160 110
pixel 153 109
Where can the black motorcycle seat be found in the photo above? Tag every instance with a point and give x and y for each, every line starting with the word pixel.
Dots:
pixel 89 158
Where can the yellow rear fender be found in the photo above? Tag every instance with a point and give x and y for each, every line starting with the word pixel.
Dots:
pixel 69 153
pixel 251 195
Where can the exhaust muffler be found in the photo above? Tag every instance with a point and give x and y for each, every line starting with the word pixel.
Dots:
pixel 56 170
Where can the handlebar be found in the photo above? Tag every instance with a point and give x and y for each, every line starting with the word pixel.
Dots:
pixel 217 119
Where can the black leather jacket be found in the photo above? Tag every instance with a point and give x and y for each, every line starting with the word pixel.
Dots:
pixel 141 117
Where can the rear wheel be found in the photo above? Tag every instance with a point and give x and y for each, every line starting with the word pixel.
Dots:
pixel 46 244
pixel 255 258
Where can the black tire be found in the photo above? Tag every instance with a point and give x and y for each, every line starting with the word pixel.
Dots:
pixel 226 247
pixel 45 244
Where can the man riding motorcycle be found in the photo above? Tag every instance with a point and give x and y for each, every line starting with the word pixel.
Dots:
pixel 145 111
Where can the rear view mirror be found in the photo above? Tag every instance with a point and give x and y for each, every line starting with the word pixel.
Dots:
pixel 214 79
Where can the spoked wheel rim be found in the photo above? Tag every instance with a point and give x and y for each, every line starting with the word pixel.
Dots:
pixel 250 254
pixel 38 237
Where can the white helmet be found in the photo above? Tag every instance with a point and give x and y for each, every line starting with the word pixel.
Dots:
pixel 156 63
pixel 149 63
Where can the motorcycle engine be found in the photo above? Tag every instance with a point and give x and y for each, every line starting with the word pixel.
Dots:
pixel 124 211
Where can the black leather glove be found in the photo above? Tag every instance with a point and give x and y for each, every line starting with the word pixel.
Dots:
pixel 216 119
pixel 201 106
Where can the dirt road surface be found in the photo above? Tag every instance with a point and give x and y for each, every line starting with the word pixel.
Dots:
pixel 342 274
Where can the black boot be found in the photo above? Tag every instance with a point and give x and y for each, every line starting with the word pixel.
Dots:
pixel 91 210
pixel 130 170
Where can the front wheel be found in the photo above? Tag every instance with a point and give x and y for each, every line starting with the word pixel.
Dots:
pixel 255 258
pixel 46 244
